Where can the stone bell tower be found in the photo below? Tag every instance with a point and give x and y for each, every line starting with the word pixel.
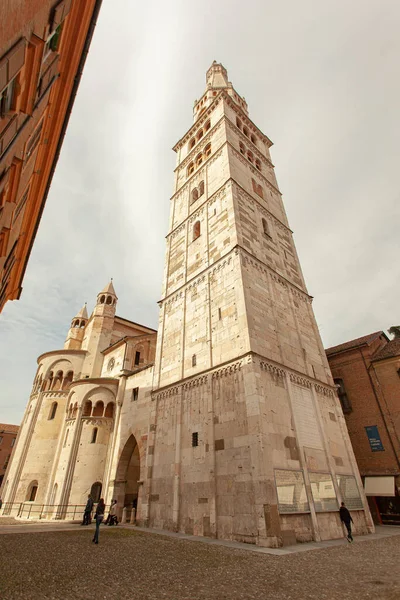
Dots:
pixel 245 403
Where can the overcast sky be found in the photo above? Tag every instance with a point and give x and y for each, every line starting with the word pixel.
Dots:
pixel 321 79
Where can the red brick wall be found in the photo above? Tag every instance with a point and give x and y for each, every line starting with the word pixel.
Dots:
pixel 6 447
pixel 354 367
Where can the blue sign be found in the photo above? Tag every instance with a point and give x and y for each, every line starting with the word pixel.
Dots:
pixel 374 438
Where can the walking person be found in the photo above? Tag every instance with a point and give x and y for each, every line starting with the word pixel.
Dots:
pixel 99 516
pixel 345 517
pixel 88 511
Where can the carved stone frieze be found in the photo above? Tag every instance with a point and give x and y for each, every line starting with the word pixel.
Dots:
pixel 294 378
pixel 228 370
pixel 324 391
pixel 273 369
pixel 199 148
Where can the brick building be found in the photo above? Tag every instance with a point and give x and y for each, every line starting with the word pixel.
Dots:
pixel 367 373
pixel 8 435
pixel 43 47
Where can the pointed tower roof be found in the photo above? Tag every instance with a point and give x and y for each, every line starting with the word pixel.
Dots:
pixel 109 289
pixel 82 314
pixel 217 76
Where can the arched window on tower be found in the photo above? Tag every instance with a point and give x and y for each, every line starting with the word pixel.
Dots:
pixel 190 169
pixel 207 126
pixel 253 139
pixel 53 410
pixel 109 300
pixel 67 380
pixel 246 131
pixel 94 436
pixel 102 299
pixel 98 410
pixel 242 148
pixel 57 381
pixel 266 227
pixel 238 123
pixel 201 188
pixel 199 159
pixel 195 194
pixel 258 164
pixel 109 410
pixel 32 491
pixel 76 323
pixel 196 230
pixel 192 143
pixel 199 135
pixel 49 382
pixel 87 409
pixel 250 156
pixel 194 360
pixel 207 150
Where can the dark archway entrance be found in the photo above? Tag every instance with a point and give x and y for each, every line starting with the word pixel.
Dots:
pixel 126 487
pixel 95 491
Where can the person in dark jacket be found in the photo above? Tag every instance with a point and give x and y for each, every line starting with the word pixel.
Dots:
pixel 345 517
pixel 87 511
pixel 99 516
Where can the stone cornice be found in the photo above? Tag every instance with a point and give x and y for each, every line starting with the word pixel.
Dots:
pixel 245 139
pixel 234 366
pixel 217 265
pixel 261 266
pixel 94 381
pixel 201 144
pixel 231 103
pixel 60 352
pixel 217 194
pixel 198 123
pixel 55 393
pixel 255 171
pixel 249 198
pixel 237 109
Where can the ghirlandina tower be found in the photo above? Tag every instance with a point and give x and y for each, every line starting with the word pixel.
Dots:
pixel 225 423
pixel 250 440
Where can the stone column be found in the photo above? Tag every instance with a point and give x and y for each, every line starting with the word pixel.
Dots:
pixel 64 497
pixel 111 459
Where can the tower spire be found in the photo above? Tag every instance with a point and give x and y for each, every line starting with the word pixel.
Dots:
pixel 217 80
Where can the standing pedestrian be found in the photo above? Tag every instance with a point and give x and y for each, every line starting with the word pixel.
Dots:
pixel 345 517
pixel 87 511
pixel 99 516
pixel 112 515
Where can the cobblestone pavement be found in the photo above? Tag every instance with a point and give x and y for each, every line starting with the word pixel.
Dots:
pixel 129 564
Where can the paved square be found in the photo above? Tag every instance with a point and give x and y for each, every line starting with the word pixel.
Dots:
pixel 128 564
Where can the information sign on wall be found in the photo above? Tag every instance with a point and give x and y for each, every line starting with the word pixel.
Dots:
pixel 374 438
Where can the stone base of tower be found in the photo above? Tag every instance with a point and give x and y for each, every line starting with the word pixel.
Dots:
pixel 253 453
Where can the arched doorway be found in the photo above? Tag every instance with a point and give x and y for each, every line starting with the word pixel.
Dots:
pixel 95 491
pixel 126 487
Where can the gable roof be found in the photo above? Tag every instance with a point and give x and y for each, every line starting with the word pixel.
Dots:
pixel 365 340
pixel 391 349
pixel 8 428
